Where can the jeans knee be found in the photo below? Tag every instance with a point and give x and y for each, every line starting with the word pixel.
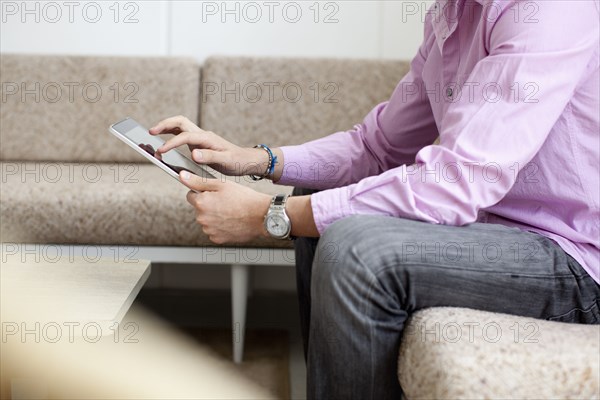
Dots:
pixel 351 232
pixel 339 249
pixel 338 239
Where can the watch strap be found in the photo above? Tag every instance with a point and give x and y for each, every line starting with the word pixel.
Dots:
pixel 279 200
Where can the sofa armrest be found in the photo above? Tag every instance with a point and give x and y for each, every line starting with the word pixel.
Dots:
pixel 454 353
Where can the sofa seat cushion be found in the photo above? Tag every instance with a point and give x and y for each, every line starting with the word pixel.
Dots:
pixel 104 204
pixel 454 353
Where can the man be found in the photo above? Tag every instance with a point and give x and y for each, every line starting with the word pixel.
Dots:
pixel 502 215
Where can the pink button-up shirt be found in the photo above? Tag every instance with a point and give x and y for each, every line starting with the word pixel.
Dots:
pixel 512 90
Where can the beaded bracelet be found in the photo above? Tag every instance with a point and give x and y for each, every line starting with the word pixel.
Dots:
pixel 270 166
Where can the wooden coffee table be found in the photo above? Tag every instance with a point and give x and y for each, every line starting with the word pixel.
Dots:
pixel 46 298
pixel 44 289
pixel 67 334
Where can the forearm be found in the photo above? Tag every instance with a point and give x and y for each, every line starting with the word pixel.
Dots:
pixel 332 161
pixel 299 210
pixel 258 162
pixel 278 165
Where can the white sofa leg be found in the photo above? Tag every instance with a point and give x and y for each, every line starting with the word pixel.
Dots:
pixel 239 297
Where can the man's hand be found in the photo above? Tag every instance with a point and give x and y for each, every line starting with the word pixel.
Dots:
pixel 210 149
pixel 228 212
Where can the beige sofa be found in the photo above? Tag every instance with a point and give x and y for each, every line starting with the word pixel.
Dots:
pixel 69 185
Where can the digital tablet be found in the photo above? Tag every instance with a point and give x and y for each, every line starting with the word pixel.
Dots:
pixel 172 162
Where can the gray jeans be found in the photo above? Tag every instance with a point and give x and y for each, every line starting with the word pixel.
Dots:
pixel 359 283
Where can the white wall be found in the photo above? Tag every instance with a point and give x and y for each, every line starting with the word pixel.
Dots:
pixel 357 29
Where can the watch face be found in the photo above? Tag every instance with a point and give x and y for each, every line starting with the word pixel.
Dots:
pixel 276 225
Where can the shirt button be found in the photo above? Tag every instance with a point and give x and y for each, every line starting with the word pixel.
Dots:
pixel 449 92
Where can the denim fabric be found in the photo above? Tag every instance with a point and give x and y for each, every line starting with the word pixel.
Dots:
pixel 358 284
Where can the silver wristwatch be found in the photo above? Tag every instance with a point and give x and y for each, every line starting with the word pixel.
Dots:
pixel 277 223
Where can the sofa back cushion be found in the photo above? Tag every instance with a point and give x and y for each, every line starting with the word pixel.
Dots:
pixel 58 108
pixel 284 101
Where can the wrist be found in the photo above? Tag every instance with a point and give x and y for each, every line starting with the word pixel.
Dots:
pixel 277 222
pixel 262 209
pixel 256 161
pixel 299 210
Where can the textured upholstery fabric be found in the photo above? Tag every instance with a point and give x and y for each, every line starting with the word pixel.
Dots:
pixel 505 357
pixel 290 101
pixel 119 204
pixel 59 107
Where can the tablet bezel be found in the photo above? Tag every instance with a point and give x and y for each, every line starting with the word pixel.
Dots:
pixel 154 160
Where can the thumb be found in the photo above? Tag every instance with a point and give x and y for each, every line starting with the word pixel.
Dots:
pixel 199 184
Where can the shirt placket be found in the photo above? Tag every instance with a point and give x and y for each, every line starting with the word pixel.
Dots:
pixel 445 24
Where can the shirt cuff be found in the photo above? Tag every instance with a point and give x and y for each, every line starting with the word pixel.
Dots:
pixel 296 168
pixel 329 206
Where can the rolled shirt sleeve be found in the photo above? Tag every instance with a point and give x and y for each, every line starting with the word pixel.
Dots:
pixel 484 143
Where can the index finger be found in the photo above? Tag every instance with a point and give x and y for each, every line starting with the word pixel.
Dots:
pixel 173 125
pixel 190 138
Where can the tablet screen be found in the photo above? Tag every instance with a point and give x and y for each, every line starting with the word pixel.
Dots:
pixel 173 159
